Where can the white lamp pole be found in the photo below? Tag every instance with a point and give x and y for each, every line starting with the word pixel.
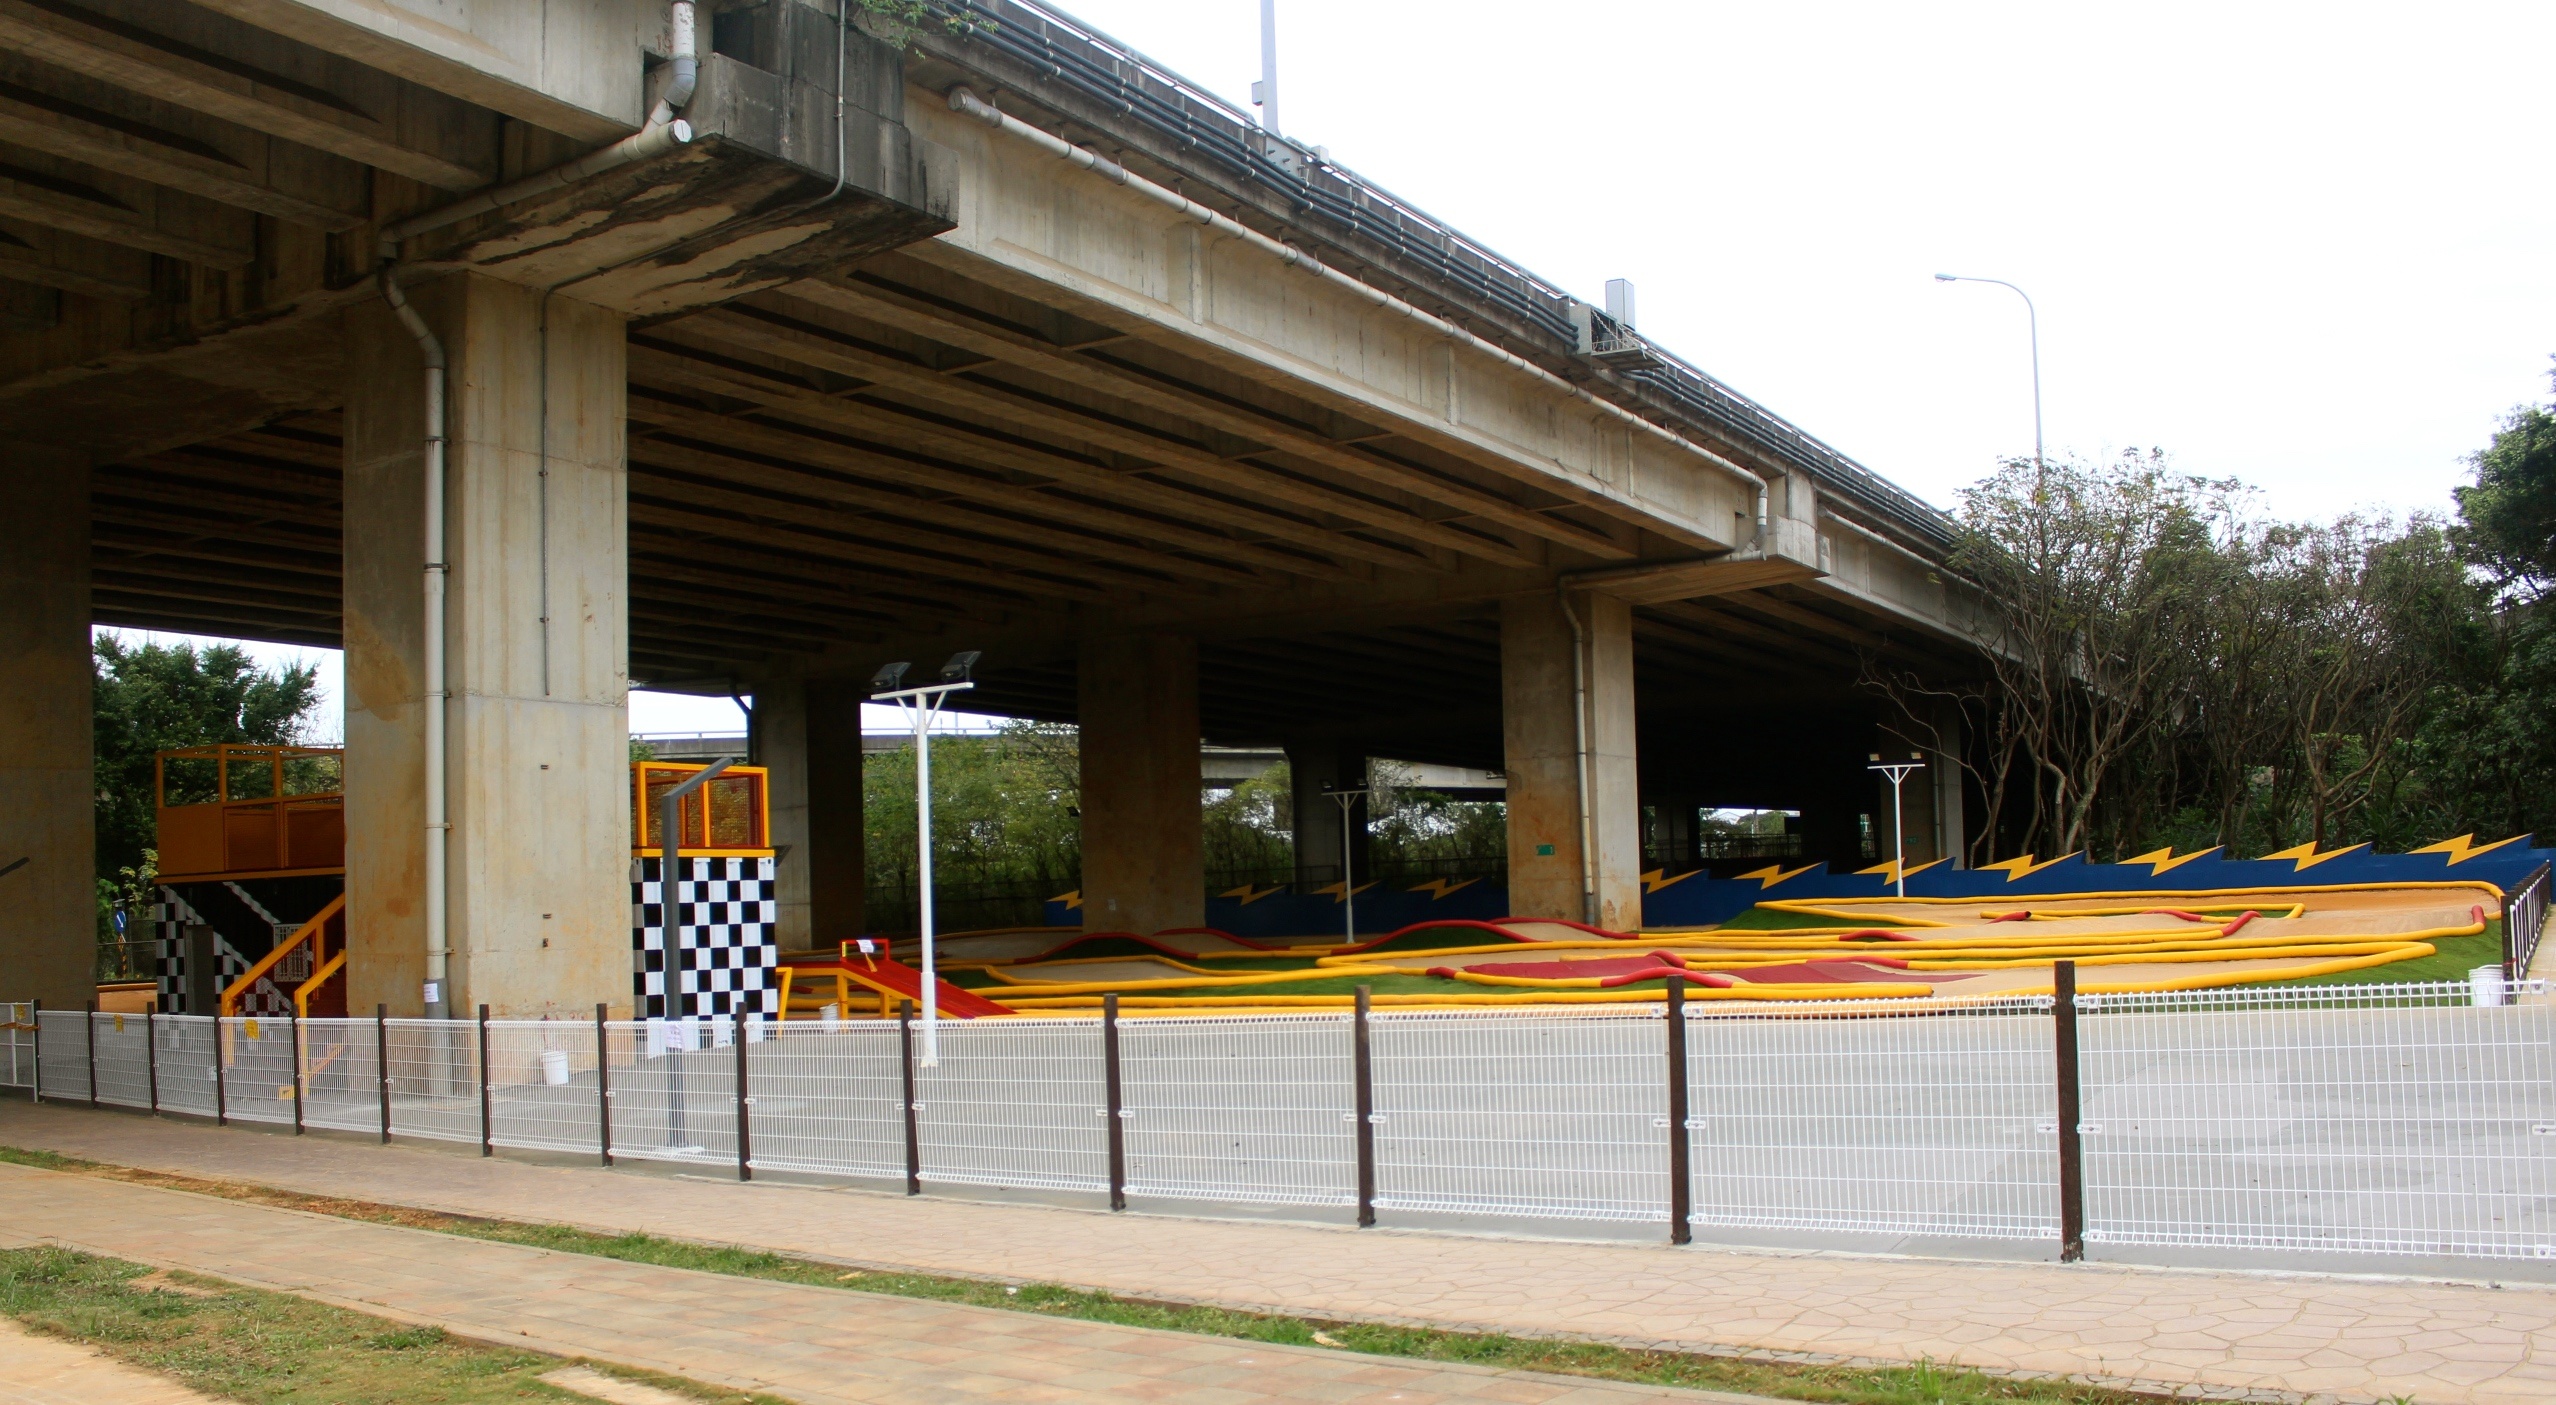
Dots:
pixel 921 705
pixel 1265 92
pixel 2032 321
pixel 1348 801
pixel 1898 772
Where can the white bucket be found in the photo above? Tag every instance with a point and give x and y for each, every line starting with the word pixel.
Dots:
pixel 2487 983
pixel 554 1067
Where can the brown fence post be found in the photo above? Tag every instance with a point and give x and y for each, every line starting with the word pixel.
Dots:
pixel 487 1092
pixel 913 1133
pixel 1115 1110
pixel 293 1028
pixel 221 1079
pixel 745 1099
pixel 93 1054
pixel 381 1062
pixel 1679 1137
pixel 35 1041
pixel 2072 1161
pixel 151 1053
pixel 1364 1111
pixel 603 1083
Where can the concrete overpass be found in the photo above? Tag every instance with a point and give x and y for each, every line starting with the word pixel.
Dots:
pixel 881 342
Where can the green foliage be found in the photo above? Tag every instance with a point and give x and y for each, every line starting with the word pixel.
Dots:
pixel 1005 811
pixel 2508 516
pixel 158 696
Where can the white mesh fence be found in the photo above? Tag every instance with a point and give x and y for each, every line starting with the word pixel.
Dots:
pixel 123 1052
pixel 2409 1120
pixel 674 1091
pixel 1549 1116
pixel 1860 1117
pixel 17 1043
pixel 434 1078
pixel 1252 1110
pixel 2404 1119
pixel 829 1098
pixel 341 1075
pixel 1014 1103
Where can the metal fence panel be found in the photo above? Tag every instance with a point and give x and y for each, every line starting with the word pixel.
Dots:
pixel 674 1091
pixel 17 1043
pixel 541 1076
pixel 62 1051
pixel 186 1064
pixel 1248 1110
pixel 1549 1116
pixel 434 1075
pixel 828 1099
pixel 123 1044
pixel 1014 1103
pixel 2390 1120
pixel 258 1068
pixel 341 1075
pixel 1876 1120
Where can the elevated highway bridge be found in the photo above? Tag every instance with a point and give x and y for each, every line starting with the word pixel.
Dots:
pixel 816 340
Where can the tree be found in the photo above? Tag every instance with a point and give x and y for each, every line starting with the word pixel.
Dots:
pixel 158 696
pixel 2508 516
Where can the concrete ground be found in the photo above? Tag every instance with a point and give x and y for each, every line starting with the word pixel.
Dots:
pixel 39 1370
pixel 2218 1334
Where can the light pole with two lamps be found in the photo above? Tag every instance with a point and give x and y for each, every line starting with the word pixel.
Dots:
pixel 921 705
pixel 1898 771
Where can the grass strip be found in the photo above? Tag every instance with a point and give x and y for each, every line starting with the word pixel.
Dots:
pixel 241 1343
pixel 1924 1383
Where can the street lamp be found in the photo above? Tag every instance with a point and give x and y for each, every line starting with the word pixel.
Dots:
pixel 2032 320
pixel 921 704
pixel 1348 802
pixel 1898 772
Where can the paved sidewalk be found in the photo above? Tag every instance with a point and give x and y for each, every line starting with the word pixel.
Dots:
pixel 36 1369
pixel 818 1346
pixel 2226 1334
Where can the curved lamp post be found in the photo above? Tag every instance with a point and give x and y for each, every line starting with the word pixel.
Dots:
pixel 2032 320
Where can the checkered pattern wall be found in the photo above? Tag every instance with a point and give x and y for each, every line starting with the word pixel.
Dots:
pixel 730 938
pixel 170 917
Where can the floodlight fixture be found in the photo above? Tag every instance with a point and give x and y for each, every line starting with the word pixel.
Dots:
pixel 960 665
pixel 889 676
pixel 1898 771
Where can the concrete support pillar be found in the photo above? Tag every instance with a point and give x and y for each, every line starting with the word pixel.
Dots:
pixel 1542 739
pixel 48 902
pixel 1951 830
pixel 1144 853
pixel 1315 768
pixel 536 647
pixel 811 735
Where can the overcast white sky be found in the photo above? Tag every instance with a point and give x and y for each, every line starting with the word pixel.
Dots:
pixel 2304 245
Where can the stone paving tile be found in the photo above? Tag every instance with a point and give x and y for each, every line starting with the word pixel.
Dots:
pixel 2274 1335
pixel 815 1345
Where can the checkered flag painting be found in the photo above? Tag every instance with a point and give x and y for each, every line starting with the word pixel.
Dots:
pixel 730 940
pixel 170 917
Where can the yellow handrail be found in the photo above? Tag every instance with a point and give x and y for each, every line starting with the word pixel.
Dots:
pixel 310 931
pixel 302 992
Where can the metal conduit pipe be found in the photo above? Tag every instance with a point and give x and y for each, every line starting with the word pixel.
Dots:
pixel 663 133
pixel 967 104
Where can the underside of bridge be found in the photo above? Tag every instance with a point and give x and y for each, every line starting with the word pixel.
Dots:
pixel 849 376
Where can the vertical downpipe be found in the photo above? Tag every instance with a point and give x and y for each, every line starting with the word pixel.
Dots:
pixel 1580 757
pixel 438 831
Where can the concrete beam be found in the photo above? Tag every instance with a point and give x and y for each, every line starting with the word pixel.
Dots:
pixel 1542 739
pixel 215 66
pixel 48 896
pixel 132 134
pixel 1144 856
pixel 538 765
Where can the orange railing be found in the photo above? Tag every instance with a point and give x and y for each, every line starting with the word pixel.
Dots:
pixel 312 938
pixel 729 814
pixel 230 811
